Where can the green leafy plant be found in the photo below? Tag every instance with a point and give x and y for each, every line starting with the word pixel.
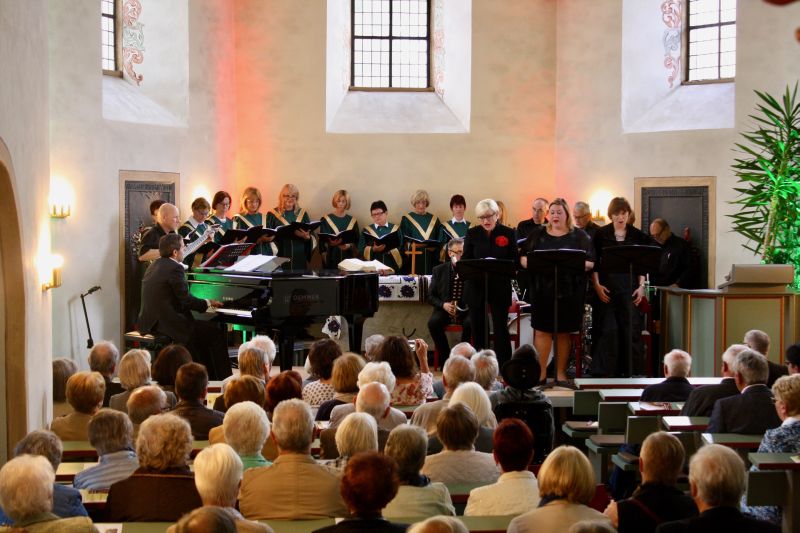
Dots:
pixel 769 182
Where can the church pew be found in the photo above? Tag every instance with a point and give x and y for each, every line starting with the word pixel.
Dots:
pixel 584 403
pixel 774 461
pixel 82 450
pixel 685 423
pixel 638 428
pixel 776 487
pixel 654 409
pixel 736 441
pixel 611 424
pixel 620 395
pixel 635 383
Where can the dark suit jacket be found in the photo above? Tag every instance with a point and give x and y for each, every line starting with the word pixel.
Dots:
pixel 672 389
pixel 355 525
pixel 775 371
pixel 201 418
pixel 524 228
pixel 750 412
pixel 499 244
pixel 718 520
pixel 149 496
pixel 702 399
pixel 439 288
pixel 666 503
pixel 591 228
pixel 111 389
pixel 166 302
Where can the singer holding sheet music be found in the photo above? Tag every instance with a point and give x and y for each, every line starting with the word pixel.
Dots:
pixel 490 240
pixel 248 217
pixel 381 228
pixel 221 203
pixel 167 310
pixel 557 233
pixel 335 250
pixel 195 226
pixel 422 235
pixel 298 246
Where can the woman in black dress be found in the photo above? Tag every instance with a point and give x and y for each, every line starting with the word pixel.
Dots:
pixel 558 234
pixel 490 239
pixel 610 333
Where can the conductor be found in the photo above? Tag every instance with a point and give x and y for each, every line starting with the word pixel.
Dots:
pixel 167 310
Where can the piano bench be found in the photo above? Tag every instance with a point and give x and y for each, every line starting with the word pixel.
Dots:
pixel 151 343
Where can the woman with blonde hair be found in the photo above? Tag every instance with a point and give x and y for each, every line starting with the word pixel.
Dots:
pixel 566 486
pixel 134 372
pixel 248 216
pixel 85 393
pixel 298 247
pixel 419 226
pixel 337 249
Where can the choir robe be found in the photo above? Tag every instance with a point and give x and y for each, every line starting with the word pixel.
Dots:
pixel 246 221
pixel 297 250
pixel 426 227
pixel 452 230
pixel 223 226
pixel 392 258
pixel 187 228
pixel 333 224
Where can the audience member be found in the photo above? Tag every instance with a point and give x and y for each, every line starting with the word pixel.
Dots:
pixel 284 386
pixel 457 370
pixel 591 526
pixel 792 359
pixel 486 370
pixel 373 372
pixel 103 358
pixel 345 383
pixel 751 411
pixel 473 396
pixel 191 386
pixel 268 346
pixel 702 399
pixel 373 399
pixel 168 361
pixel 358 432
pixel 62 370
pixel 566 485
pixel 111 434
pixel 414 384
pixel 371 344
pixel 516 490
pixel 145 402
pixel 134 372
pixel 717 481
pixel 759 341
pixel 417 495
pixel 457 429
pixel 206 519
pixel 217 475
pixel 253 363
pixel 85 392
pixel 26 495
pixel 368 484
pixel 784 438
pixel 246 429
pixel 439 524
pixel 658 499
pixel 676 388
pixel 66 500
pixel 162 488
pixel 295 486
pixel 464 349
pixel 321 357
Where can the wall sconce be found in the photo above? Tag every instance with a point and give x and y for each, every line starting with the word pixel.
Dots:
pixel 61 197
pixel 59 210
pixel 56 262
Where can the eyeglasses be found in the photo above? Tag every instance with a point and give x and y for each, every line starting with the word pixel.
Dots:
pixel 377 213
pixel 456 252
pixel 288 196
pixel 487 217
pixel 581 217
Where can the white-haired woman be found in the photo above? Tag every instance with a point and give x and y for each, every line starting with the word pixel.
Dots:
pixel 473 396
pixel 379 372
pixel 358 432
pixel 246 429
pixel 490 239
pixel 134 372
pixel 421 226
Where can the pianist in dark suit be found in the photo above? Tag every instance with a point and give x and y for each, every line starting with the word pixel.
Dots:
pixel 446 295
pixel 752 411
pixel 167 310
pixel 702 399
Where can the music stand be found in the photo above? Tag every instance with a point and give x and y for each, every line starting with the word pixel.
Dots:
pixel 480 270
pixel 227 255
pixel 631 259
pixel 549 262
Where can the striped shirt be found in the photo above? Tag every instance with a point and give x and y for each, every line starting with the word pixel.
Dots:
pixel 111 468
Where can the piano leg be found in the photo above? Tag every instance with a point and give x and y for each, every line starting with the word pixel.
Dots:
pixel 355 331
pixel 286 352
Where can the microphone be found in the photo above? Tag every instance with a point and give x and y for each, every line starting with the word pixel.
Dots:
pixel 93 289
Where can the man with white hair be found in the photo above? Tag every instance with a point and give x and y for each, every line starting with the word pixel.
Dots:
pixel 486 370
pixel 717 480
pixel 358 432
pixel 457 370
pixel 372 372
pixel 759 341
pixel 464 349
pixel 145 402
pixel 675 388
pixel 752 411
pixel 701 401
pixel 371 344
pixel 217 474
pixel 295 486
pixel 26 495
pixel 103 358
pixel 372 399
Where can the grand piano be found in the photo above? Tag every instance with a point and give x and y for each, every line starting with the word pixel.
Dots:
pixel 287 302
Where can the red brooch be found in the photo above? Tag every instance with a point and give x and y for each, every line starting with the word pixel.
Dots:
pixel 501 241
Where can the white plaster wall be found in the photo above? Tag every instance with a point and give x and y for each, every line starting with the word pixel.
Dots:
pixel 24 129
pixel 457 83
pixel 337 49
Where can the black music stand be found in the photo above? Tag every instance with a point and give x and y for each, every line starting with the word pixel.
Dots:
pixel 631 259
pixel 549 262
pixel 227 254
pixel 480 270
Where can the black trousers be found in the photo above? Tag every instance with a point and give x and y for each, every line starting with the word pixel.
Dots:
pixel 439 320
pixel 209 346
pixel 611 337
pixel 502 339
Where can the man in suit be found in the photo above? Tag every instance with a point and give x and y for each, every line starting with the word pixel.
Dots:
pixel 792 359
pixel 538 218
pixel 752 411
pixel 103 358
pixel 191 386
pixel 446 295
pixel 717 480
pixel 676 388
pixel 702 399
pixel 759 341
pixel 295 486
pixel 582 215
pixel 675 268
pixel 167 310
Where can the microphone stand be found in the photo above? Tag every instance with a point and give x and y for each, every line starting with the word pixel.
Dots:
pixel 90 342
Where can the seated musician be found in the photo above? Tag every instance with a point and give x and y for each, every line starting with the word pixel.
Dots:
pixel 167 306
pixel 167 222
pixel 380 227
pixel 446 295
pixel 298 247
pixel 419 224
